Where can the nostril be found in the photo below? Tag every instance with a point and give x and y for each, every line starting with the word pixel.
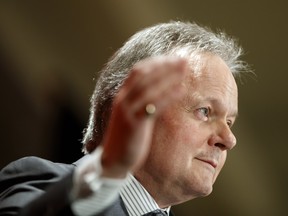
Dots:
pixel 221 146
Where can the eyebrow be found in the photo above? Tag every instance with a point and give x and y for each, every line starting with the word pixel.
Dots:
pixel 234 113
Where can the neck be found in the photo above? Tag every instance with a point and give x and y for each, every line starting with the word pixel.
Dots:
pixel 164 193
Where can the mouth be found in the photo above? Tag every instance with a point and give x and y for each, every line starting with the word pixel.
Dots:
pixel 210 162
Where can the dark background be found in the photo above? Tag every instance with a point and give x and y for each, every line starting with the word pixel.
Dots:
pixel 50 54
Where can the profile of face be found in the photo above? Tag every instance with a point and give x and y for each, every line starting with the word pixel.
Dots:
pixel 191 138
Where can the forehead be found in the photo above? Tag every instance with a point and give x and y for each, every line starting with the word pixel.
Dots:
pixel 211 79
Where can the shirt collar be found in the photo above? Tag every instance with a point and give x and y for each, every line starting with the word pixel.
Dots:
pixel 136 199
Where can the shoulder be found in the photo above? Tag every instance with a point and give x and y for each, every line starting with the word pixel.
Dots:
pixel 31 166
pixel 32 172
pixel 27 178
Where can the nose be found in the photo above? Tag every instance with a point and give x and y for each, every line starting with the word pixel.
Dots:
pixel 223 138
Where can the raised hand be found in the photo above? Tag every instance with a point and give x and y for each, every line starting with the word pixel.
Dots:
pixel 156 82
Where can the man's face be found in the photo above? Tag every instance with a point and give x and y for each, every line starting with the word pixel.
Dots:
pixel 191 138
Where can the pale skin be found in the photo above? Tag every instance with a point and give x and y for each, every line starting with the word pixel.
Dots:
pixel 177 153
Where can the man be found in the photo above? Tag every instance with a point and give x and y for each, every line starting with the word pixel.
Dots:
pixel 158 134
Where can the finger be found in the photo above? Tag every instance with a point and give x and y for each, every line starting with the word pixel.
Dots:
pixel 157 102
pixel 158 90
pixel 149 72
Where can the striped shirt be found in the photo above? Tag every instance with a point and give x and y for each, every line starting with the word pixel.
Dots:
pixel 136 199
pixel 87 176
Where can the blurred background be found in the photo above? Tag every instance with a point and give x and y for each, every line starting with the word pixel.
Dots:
pixel 50 53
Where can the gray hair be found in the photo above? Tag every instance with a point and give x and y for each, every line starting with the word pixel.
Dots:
pixel 161 39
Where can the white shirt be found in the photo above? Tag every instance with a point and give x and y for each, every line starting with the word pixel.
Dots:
pixel 104 191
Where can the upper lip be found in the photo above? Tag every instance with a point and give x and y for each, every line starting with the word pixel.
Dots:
pixel 212 162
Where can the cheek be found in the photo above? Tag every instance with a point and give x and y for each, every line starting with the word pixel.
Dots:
pixel 179 135
pixel 221 164
pixel 222 160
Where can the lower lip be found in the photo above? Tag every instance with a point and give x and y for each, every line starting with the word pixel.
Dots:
pixel 205 162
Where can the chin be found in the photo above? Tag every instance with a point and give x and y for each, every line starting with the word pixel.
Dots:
pixel 207 193
pixel 199 191
pixel 204 191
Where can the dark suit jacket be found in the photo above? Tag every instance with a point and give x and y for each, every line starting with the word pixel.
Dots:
pixel 35 186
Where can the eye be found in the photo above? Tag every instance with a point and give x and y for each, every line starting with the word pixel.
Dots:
pixel 229 123
pixel 203 113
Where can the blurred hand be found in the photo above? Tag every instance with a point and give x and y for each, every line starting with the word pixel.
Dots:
pixel 157 81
